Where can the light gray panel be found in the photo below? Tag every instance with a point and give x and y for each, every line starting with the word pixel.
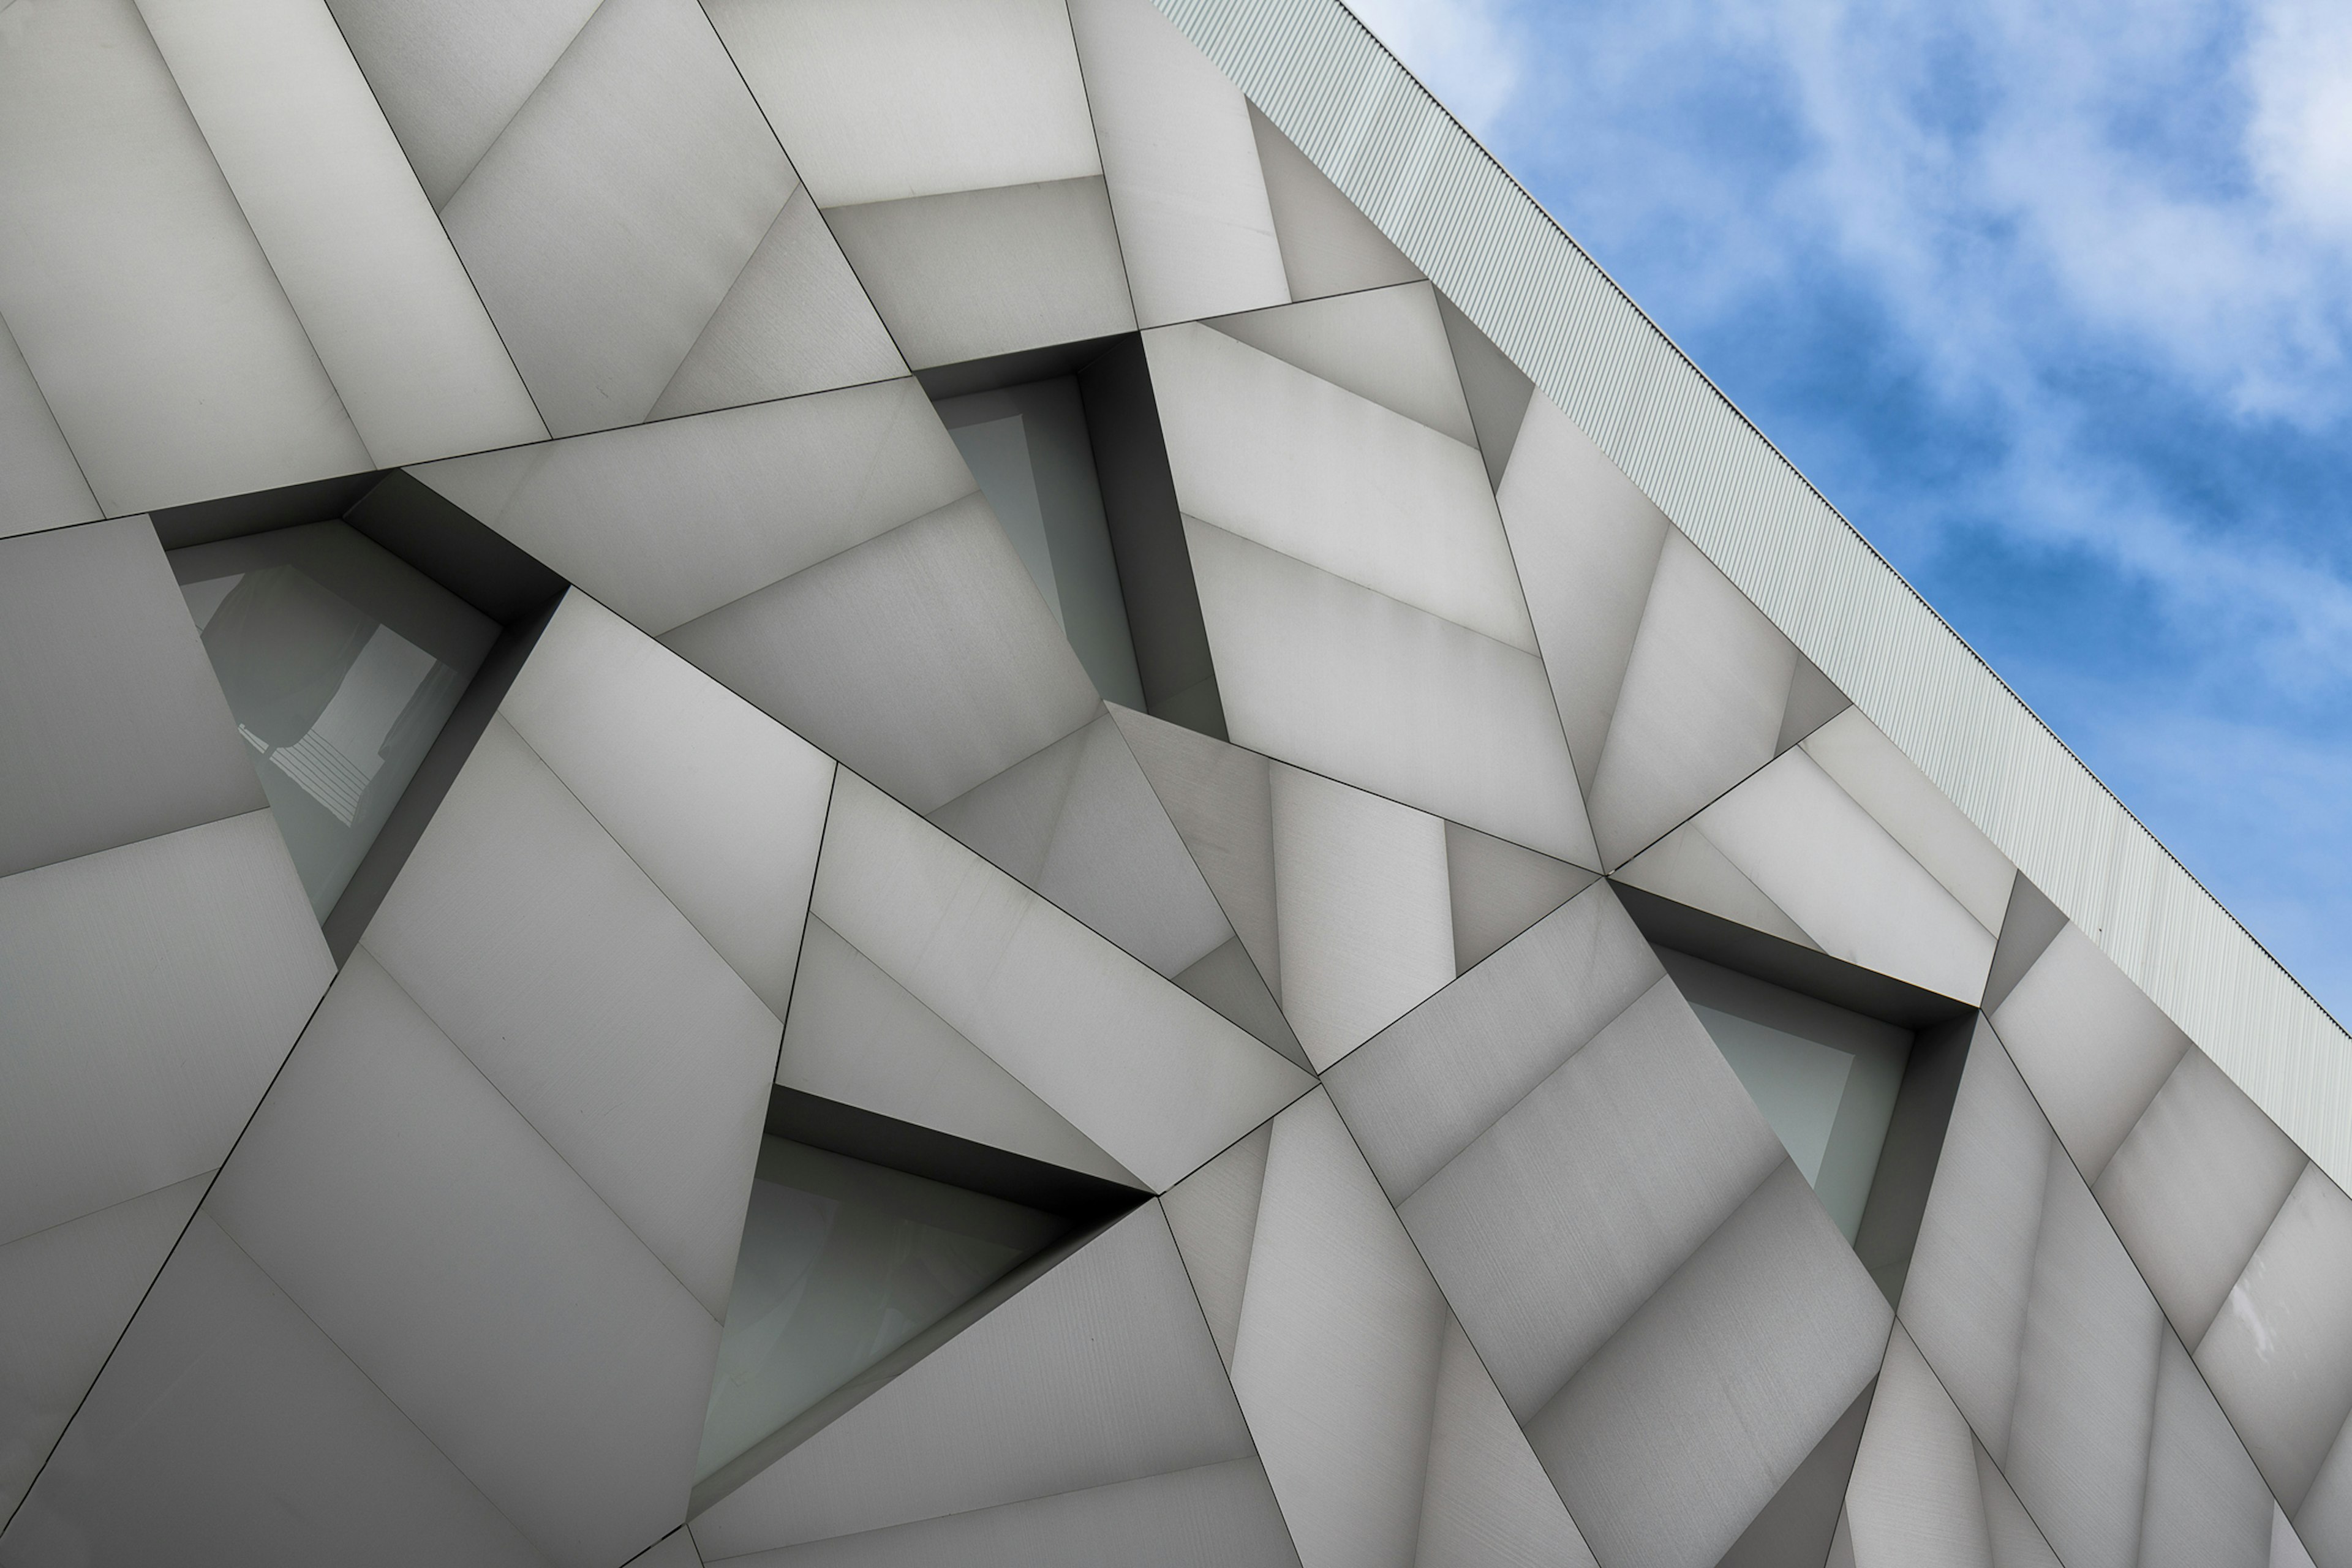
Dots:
pixel 612 214
pixel 541 949
pixel 164 344
pixel 2287 1549
pixel 1672 1438
pixel 1914 1501
pixel 2194 1186
pixel 1290 460
pixel 1385 344
pixel 720 806
pixel 227 1429
pixel 1157 1080
pixel 111 726
pixel 1813 701
pixel 1221 1513
pixel 1327 247
pixel 1221 799
pixel 969 274
pixel 858 1036
pixel 1688 867
pixel 2027 928
pixel 450 76
pixel 414 1215
pixel 924 659
pixel 1496 391
pixel 1587 543
pixel 2324 1523
pixel 40 484
pixel 794 321
pixel 1486 1500
pixel 1182 163
pixel 2016 1540
pixel 1362 902
pixel 670 521
pixel 1337 1360
pixel 367 267
pixel 1801 1523
pixel 1346 682
pixel 147 993
pixel 913 98
pixel 1867 766
pixel 1010 816
pixel 2206 1506
pixel 2279 1355
pixel 1213 1214
pixel 65 1295
pixel 1699 709
pixel 1551 1230
pixel 1422 1091
pixel 1099 1372
pixel 1227 981
pixel 2091 1043
pixel 675 1549
pixel 1500 889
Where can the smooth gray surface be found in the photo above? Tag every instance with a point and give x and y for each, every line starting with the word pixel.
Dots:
pixel 2206 1506
pixel 1229 982
pixel 423 1224
pixel 1388 346
pixel 1801 1523
pixel 669 522
pixel 1328 245
pixel 1869 767
pixel 1485 1499
pixel 924 659
pixel 614 210
pixel 675 1549
pixel 2194 1186
pixel 1100 1372
pixel 968 274
pixel 1679 1430
pixel 111 726
pixel 1689 868
pixel 1813 701
pixel 720 806
pixel 2028 925
pixel 1496 392
pixel 1914 1501
pixel 40 484
pixel 1194 227
pixel 224 1401
pixel 1500 889
pixel 147 993
pixel 2324 1523
pixel 1213 1214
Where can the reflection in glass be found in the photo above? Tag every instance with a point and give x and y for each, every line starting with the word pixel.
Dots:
pixel 842 1263
pixel 340 664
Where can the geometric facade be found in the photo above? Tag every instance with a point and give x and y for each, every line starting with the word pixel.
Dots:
pixel 815 782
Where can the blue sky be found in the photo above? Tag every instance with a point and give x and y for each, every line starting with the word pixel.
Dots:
pixel 2053 300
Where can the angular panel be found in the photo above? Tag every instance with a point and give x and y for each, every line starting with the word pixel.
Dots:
pixel 1496 392
pixel 670 522
pixel 968 274
pixel 1486 1499
pixel 40 484
pixel 924 659
pixel 225 1401
pixel 721 807
pixel 1867 766
pixel 316 171
pixel 1914 1501
pixel 1500 889
pixel 1346 682
pixel 533 942
pixel 1799 1524
pixel 675 1549
pixel 1229 982
pixel 1158 1080
pixel 1813 701
pixel 1688 867
pixel 2206 1507
pixel 2027 929
pixel 1386 345
pixel 1212 1212
pixel 2324 1523
pixel 1361 901
pixel 1327 247
pixel 1193 224
pixel 611 215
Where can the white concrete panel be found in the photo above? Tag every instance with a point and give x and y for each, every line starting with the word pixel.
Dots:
pixel 2016 1540
pixel 1809 847
pixel 1500 889
pixel 534 942
pixel 2287 1549
pixel 317 173
pixel 224 1403
pixel 1157 1080
pixel 1327 247
pixel 1700 706
pixel 1177 152
pixel 1902 800
pixel 924 659
pixel 615 210
pixel 1291 461
pixel 877 102
pixel 1687 867
pixel 968 274
pixel 1385 344
pixel 1587 545
pixel 1337 679
pixel 147 993
pixel 137 293
pixel 1337 1360
pixel 2206 1506
pixel 1914 1501
pixel 2324 1523
pixel 1212 1212
pixel 794 321
pixel 672 521
pixel 1043 1395
pixel 40 484
pixel 65 1295
pixel 859 1037
pixel 722 807
pixel 1486 1499
pixel 2094 1048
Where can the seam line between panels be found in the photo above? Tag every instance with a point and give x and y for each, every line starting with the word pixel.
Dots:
pixel 718 304
pixel 800 953
pixel 507 124
pixel 1976 1438
pixel 48 409
pixel 1094 132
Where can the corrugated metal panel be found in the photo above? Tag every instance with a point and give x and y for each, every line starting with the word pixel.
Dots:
pixel 1360 115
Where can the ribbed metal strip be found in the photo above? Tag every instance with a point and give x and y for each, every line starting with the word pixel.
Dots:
pixel 1384 141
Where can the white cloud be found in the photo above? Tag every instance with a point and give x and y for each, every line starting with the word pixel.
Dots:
pixel 1468 52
